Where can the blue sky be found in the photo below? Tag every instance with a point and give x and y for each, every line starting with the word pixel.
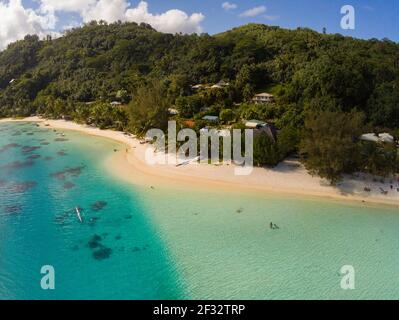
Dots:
pixel 374 18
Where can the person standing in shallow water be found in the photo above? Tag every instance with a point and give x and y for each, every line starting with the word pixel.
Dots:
pixel 274 226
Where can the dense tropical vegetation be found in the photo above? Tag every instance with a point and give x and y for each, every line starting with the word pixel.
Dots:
pixel 328 88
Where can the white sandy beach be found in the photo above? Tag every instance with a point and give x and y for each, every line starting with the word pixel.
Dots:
pixel 290 177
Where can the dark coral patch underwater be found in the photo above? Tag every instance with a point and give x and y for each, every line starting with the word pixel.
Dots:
pixel 69 185
pixel 94 242
pixel 20 187
pixel 100 252
pixel 99 205
pixel 15 165
pixel 34 157
pixel 13 209
pixel 72 172
pixel 63 219
pixel 29 149
pixel 9 146
pixel 62 153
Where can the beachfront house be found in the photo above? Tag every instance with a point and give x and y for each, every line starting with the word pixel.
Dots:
pixel 260 127
pixel 223 83
pixel 197 87
pixel 263 98
pixel 211 118
pixel 380 138
pixel 255 124
pixel 173 112
pixel 220 85
pixel 386 137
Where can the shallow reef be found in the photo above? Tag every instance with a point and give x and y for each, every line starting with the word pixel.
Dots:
pixel 99 205
pixel 13 209
pixel 100 252
pixel 9 146
pixel 62 153
pixel 94 242
pixel 71 172
pixel 68 185
pixel 29 149
pixel 34 157
pixel 20 187
pixel 15 165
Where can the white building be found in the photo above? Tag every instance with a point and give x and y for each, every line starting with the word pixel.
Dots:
pixel 173 111
pixel 197 86
pixel 220 85
pixel 381 138
pixel 255 124
pixel 223 83
pixel 263 98
pixel 386 137
pixel 211 118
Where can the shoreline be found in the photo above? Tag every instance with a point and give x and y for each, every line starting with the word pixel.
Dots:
pixel 289 178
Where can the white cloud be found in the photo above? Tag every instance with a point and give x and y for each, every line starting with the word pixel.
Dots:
pixel 229 6
pixel 66 5
pixel 16 22
pixel 253 12
pixel 171 21
pixel 107 10
pixel 113 10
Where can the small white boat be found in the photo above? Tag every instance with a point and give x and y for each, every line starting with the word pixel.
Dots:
pixel 79 214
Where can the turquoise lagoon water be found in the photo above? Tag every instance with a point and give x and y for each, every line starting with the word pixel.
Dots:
pixel 142 243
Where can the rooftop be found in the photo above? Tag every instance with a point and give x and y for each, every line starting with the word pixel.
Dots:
pixel 266 95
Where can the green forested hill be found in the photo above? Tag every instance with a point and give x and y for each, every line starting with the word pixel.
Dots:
pixel 328 88
pixel 305 69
